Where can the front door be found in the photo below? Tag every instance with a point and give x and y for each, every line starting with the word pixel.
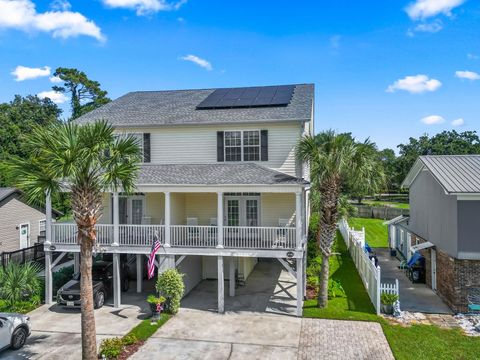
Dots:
pixel 136 204
pixel 242 211
pixel 24 235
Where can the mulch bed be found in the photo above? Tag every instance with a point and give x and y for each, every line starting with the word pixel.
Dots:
pixel 130 350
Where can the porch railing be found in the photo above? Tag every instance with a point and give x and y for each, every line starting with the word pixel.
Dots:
pixel 193 236
pixel 140 235
pixel 259 237
pixel 234 237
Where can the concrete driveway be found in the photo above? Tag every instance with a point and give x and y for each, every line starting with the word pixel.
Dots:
pixel 195 334
pixel 56 331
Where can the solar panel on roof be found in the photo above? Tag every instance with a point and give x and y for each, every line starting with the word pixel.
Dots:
pixel 248 97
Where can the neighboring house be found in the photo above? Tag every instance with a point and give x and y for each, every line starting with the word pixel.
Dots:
pixel 20 223
pixel 219 182
pixel 443 224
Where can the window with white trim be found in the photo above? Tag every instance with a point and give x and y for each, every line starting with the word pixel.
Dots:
pixel 242 145
pixel 233 146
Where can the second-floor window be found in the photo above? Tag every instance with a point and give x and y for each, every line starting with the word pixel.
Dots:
pixel 242 145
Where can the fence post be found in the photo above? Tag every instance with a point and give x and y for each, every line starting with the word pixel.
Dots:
pixel 378 289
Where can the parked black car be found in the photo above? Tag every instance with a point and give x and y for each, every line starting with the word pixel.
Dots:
pixel 102 276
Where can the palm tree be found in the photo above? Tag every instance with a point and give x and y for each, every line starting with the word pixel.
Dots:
pixel 84 161
pixel 334 160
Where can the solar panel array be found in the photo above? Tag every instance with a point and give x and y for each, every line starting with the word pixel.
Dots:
pixel 248 97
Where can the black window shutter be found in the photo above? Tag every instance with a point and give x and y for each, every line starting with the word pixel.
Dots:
pixel 264 145
pixel 146 147
pixel 220 155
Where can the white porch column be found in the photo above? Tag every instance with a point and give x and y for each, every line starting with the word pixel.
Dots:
pixel 221 289
pixel 298 218
pixel 116 220
pixel 48 218
pixel 231 284
pixel 139 263
pixel 220 219
pixel 76 263
pixel 48 278
pixel 167 219
pixel 299 287
pixel 116 281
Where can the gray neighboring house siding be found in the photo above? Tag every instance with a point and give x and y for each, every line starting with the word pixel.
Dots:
pixel 468 227
pixel 14 212
pixel 433 214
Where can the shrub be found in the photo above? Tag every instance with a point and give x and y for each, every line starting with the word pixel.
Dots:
pixel 111 348
pixel 129 339
pixel 61 277
pixel 335 289
pixel 388 298
pixel 170 285
pixel 20 283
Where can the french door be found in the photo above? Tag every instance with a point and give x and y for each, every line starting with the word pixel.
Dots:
pixel 242 211
pixel 131 209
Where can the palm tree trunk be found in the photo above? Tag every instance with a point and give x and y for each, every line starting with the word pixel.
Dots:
pixel 323 291
pixel 89 341
pixel 330 192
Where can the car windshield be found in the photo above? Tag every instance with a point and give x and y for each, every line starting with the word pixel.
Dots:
pixel 99 273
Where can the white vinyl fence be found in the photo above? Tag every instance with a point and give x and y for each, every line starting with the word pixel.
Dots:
pixel 369 273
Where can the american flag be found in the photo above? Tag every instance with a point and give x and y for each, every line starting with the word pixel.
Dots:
pixel 151 260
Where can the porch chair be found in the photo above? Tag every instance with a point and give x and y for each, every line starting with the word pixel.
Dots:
pixel 281 238
pixel 473 299
pixel 192 221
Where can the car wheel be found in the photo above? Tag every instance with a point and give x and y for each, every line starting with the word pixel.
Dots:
pixel 99 299
pixel 125 284
pixel 19 338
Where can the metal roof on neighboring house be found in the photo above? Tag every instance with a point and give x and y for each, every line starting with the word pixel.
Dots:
pixel 214 174
pixel 179 107
pixel 457 174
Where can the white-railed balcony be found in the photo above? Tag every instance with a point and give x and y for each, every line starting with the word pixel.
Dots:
pixel 192 236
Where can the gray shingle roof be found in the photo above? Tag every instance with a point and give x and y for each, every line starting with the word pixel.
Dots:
pixel 455 173
pixel 214 174
pixel 6 191
pixel 178 107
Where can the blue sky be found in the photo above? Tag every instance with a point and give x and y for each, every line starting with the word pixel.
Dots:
pixel 379 67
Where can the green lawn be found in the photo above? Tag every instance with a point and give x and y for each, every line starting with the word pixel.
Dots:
pixel 426 342
pixel 398 205
pixel 375 232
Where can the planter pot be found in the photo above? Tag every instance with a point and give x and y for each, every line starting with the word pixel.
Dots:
pixel 393 252
pixel 387 309
pixel 155 311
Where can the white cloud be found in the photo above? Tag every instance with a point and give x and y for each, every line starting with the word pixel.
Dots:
pixel 55 79
pixel 469 75
pixel 199 61
pixel 61 23
pixel 432 27
pixel 415 84
pixel 433 120
pixel 458 122
pixel 60 5
pixel 56 97
pixel 423 9
pixel 145 7
pixel 22 73
pixel 473 57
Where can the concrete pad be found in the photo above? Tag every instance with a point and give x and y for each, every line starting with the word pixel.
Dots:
pixel 413 297
pixel 268 289
pixel 56 331
pixel 262 352
pixel 242 328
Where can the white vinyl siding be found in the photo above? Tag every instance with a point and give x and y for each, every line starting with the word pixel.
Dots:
pixel 13 213
pixel 198 144
pixel 277 206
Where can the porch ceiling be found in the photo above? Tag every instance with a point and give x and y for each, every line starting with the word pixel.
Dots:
pixel 214 174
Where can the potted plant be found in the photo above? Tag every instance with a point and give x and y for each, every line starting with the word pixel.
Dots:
pixel 393 252
pixel 387 300
pixel 156 305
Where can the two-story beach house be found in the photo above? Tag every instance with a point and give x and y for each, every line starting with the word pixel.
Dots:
pixel 219 184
